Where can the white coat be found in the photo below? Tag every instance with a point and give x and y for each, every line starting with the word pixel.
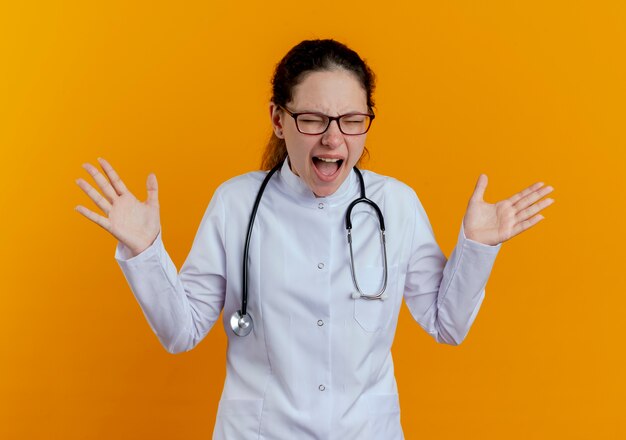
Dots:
pixel 317 364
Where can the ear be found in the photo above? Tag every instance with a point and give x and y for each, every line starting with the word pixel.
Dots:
pixel 276 116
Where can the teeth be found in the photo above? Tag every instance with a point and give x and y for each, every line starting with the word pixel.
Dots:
pixel 324 159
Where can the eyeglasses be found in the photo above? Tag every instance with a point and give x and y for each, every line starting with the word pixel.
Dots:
pixel 318 123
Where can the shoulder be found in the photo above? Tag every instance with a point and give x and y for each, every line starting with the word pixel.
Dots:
pixel 398 198
pixel 388 186
pixel 240 185
pixel 236 193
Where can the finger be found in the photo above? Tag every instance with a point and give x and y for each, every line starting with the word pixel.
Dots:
pixel 153 190
pixel 526 224
pixel 102 182
pixel 516 197
pixel 532 197
pixel 94 195
pixel 115 179
pixel 97 219
pixel 525 214
pixel 479 190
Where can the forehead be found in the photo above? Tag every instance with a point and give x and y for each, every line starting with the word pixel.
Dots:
pixel 329 91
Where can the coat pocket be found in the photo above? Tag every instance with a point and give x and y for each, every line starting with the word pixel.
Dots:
pixel 238 418
pixel 375 314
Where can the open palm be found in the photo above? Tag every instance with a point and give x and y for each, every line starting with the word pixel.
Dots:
pixel 492 224
pixel 136 224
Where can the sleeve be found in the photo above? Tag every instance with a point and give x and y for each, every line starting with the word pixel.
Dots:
pixel 181 308
pixel 444 296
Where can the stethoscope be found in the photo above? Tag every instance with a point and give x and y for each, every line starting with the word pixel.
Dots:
pixel 241 322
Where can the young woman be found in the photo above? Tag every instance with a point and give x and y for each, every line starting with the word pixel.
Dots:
pixel 310 314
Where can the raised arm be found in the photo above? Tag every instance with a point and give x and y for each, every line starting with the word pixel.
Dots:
pixel 180 308
pixel 444 296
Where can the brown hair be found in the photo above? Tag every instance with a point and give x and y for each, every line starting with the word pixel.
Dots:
pixel 310 56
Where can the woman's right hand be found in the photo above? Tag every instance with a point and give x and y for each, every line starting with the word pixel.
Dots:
pixel 136 224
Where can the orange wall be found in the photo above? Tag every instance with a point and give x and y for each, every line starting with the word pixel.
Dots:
pixel 521 91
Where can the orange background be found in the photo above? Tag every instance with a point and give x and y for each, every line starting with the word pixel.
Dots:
pixel 522 91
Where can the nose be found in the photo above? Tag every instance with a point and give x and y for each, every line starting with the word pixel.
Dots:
pixel 332 137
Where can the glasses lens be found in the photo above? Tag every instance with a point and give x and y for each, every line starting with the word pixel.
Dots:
pixel 311 123
pixel 354 124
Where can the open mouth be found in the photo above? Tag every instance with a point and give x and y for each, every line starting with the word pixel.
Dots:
pixel 327 168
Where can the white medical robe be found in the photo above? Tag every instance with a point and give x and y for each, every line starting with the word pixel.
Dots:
pixel 317 364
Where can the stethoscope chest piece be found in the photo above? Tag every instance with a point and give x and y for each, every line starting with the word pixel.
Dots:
pixel 241 324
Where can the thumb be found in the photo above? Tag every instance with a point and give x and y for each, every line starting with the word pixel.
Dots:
pixel 153 189
pixel 479 190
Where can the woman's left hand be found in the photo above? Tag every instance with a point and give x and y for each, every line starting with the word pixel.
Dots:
pixel 492 224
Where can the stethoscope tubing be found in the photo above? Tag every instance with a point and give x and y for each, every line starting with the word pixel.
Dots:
pixel 381 220
pixel 242 323
pixel 244 300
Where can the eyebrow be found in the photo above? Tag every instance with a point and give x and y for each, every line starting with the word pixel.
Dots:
pixel 326 114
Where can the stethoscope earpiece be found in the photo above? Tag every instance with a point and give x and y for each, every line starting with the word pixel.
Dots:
pixel 357 295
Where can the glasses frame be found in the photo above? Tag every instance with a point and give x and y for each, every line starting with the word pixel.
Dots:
pixel 330 119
